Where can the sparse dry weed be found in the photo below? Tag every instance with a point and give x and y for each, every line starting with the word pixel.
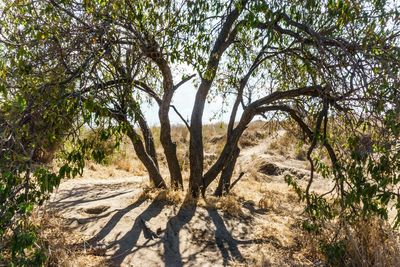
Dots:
pixel 171 197
pixel 365 243
pixel 271 200
pixel 65 248
pixel 123 164
pixel 372 243
pixel 230 204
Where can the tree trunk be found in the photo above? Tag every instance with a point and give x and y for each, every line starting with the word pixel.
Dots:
pixel 170 151
pixel 230 146
pixel 148 139
pixel 151 167
pixel 258 106
pixel 226 175
pixel 153 50
pixel 165 127
pixel 154 174
pixel 196 153
pixel 225 38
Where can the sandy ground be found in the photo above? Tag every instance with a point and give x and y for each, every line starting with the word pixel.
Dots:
pixel 258 226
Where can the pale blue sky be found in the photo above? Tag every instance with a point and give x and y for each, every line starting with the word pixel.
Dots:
pixel 183 100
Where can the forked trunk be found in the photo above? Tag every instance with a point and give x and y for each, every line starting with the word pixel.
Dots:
pixel 148 139
pixel 196 154
pixel 224 183
pixel 154 52
pixel 154 174
pixel 165 127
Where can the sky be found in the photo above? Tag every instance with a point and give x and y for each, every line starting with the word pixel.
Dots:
pixel 183 100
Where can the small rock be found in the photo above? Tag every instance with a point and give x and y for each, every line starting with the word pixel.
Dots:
pixel 97 210
pixel 270 169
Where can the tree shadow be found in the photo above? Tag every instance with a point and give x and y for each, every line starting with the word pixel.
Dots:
pixel 113 222
pixel 128 242
pixel 227 245
pixel 171 242
pixel 62 202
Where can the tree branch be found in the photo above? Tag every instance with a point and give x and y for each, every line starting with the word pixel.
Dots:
pixel 180 116
pixel 184 80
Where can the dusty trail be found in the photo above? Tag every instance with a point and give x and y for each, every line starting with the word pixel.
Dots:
pixel 128 230
pixel 117 226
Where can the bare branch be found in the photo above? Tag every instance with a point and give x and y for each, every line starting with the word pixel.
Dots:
pixel 184 80
pixel 180 116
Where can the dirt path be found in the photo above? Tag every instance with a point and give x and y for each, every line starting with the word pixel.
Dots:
pixel 132 231
pixel 257 226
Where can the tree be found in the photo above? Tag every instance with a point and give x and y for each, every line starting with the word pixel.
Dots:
pixel 330 66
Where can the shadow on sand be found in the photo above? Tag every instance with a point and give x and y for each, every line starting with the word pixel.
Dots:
pixel 227 245
pixel 127 243
pixel 172 254
pixel 169 243
pixel 89 193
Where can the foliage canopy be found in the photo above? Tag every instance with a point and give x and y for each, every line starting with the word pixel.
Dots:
pixel 330 66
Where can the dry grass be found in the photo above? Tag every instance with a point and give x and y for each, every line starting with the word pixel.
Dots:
pixel 300 153
pixel 65 248
pixel 270 201
pixel 169 196
pixel 372 243
pixel 364 243
pixel 230 204
pixel 283 144
pixel 124 164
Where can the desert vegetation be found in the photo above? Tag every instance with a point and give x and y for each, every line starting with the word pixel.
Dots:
pixel 311 89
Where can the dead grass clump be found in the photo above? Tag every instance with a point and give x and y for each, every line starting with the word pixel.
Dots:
pixel 372 243
pixel 229 204
pixel 256 175
pixel 123 164
pixel 138 168
pixel 262 261
pixel 300 153
pixel 183 158
pixel 110 173
pixel 274 145
pixel 180 134
pixel 365 243
pixel 92 166
pixel 251 137
pixel 265 203
pixel 171 197
pixel 148 193
pixel 280 203
pixel 272 200
pixel 284 144
pixel 64 247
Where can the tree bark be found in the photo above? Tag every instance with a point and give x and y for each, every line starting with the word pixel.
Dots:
pixel 230 146
pixel 153 51
pixel 148 139
pixel 196 156
pixel 226 175
pixel 151 167
pixel 258 106
pixel 165 128
pixel 154 174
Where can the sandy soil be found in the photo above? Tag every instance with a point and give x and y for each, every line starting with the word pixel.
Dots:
pixel 258 226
